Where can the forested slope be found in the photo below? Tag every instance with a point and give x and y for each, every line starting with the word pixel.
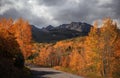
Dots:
pixel 95 56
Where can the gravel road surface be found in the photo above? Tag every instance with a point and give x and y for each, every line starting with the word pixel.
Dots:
pixel 39 72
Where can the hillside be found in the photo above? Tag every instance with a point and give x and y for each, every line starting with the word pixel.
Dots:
pixel 91 56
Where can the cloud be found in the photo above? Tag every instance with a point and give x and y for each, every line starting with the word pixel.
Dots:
pixel 116 8
pixel 55 12
pixel 52 2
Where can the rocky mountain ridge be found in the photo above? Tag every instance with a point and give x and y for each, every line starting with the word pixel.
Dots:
pixel 61 32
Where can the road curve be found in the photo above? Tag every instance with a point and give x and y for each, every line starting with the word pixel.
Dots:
pixel 39 72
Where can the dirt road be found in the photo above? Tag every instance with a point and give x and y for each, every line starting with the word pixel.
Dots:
pixel 50 73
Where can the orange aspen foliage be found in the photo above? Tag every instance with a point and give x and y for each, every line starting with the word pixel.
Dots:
pixel 75 61
pixel 65 61
pixel 99 48
pixel 22 31
pixel 108 39
pixel 9 48
pixel 92 49
pixel 116 62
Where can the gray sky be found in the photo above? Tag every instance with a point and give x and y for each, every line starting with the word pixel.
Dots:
pixel 56 12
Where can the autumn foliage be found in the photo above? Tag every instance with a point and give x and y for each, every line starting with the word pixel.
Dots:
pixel 96 55
pixel 14 47
pixel 21 31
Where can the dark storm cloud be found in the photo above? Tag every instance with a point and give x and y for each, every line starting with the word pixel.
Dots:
pixel 55 12
pixel 11 13
pixel 52 2
pixel 25 14
pixel 116 8
pixel 3 2
pixel 86 11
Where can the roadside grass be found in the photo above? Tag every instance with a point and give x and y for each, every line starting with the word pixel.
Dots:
pixel 93 75
pixel 85 75
pixel 65 69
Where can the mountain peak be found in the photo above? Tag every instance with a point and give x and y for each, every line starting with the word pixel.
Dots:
pixel 49 27
pixel 64 31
